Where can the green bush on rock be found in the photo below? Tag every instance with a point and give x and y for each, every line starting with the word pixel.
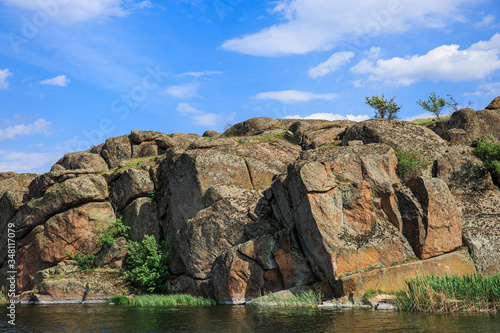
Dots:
pixel 488 150
pixel 409 164
pixel 147 263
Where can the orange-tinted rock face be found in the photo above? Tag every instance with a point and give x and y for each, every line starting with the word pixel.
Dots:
pixel 335 202
pixel 393 278
pixel 62 236
pixel 442 221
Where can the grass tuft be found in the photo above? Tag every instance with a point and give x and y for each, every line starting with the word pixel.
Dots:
pixel 305 299
pixel 427 121
pixel 450 293
pixel 156 300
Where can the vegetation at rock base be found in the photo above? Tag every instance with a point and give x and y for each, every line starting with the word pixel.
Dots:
pixel 304 299
pixel 84 260
pixel 409 164
pixel 117 229
pixel 156 300
pixel 147 263
pixel 488 150
pixel 384 108
pixel 450 293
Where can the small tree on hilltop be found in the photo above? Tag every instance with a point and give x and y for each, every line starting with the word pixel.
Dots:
pixel 383 108
pixel 434 104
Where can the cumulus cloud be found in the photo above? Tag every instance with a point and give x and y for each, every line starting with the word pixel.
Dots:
pixel 331 65
pixel 319 25
pixel 183 91
pixel 198 75
pixel 60 81
pixel 4 74
pixel 293 96
pixel 40 126
pixel 79 10
pixel 331 117
pixel 444 63
pixel 200 118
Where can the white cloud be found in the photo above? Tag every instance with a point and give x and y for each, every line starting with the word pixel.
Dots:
pixel 183 91
pixel 331 117
pixel 486 89
pixel 198 75
pixel 319 25
pixel 27 162
pixel 486 22
pixel 4 74
pixel 79 10
pixel 41 126
pixel 293 96
pixel 444 63
pixel 199 117
pixel 61 81
pixel 331 65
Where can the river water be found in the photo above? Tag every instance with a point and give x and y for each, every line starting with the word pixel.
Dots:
pixel 111 318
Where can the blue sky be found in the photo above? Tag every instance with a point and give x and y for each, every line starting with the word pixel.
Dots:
pixel 75 72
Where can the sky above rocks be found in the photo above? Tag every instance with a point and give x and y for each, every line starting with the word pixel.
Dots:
pixel 73 73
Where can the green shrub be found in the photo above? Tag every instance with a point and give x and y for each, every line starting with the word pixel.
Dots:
pixel 152 195
pixel 84 260
pixel 147 263
pixel 488 150
pixel 409 164
pixel 117 229
pixel 383 108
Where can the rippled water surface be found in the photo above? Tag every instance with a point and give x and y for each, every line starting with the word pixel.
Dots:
pixel 110 318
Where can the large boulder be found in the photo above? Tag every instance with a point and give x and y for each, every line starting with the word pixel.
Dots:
pixel 236 278
pixel 494 105
pixel 207 236
pixel 81 160
pixel 185 177
pixel 62 236
pixel 142 218
pixel 314 134
pixel 129 185
pixel 441 229
pixel 481 228
pixel 341 201
pixel 463 172
pixel 400 135
pixel 393 278
pixel 58 198
pixel 475 123
pixel 116 150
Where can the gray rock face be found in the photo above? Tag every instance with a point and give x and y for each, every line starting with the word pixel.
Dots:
pixel 130 185
pixel 116 149
pixel 82 160
pixel 400 135
pixel 142 217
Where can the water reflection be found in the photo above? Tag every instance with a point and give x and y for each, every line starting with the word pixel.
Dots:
pixel 109 318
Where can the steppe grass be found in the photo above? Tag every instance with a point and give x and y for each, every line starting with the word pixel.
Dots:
pixel 427 121
pixel 156 300
pixel 304 299
pixel 450 293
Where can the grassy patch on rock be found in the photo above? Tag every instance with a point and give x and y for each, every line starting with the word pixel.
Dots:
pixel 427 121
pixel 450 293
pixel 156 300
